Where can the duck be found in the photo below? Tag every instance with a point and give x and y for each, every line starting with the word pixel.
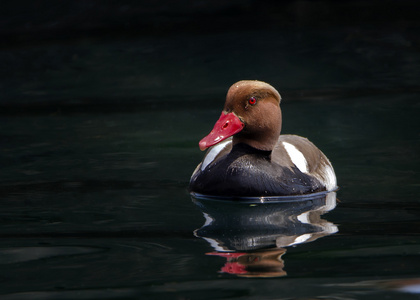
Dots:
pixel 247 156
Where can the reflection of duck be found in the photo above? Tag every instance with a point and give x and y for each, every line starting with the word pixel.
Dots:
pixel 252 234
pixel 258 161
pixel 247 226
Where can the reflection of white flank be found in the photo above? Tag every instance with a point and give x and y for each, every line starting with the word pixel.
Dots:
pixel 209 219
pixel 330 228
pixel 330 201
pixel 304 218
pixel 313 217
pixel 297 157
pixel 215 244
pixel 302 238
pixel 213 152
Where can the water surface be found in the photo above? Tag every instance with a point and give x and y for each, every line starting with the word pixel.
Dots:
pixel 99 139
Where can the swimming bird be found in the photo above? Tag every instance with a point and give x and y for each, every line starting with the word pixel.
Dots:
pixel 247 156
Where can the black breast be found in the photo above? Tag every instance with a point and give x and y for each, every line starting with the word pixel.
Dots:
pixel 246 171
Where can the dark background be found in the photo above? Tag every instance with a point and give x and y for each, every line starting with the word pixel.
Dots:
pixel 35 22
pixel 74 55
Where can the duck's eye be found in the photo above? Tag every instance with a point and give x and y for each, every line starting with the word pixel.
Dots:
pixel 252 100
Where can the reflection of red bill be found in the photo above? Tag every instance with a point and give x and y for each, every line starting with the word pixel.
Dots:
pixel 227 125
pixel 234 268
pixel 231 266
pixel 253 264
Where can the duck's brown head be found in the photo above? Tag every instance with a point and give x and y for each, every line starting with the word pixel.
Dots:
pixel 251 115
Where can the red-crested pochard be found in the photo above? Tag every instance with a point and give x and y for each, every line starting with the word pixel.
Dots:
pixel 247 156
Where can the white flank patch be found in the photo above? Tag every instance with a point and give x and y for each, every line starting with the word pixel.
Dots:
pixel 330 179
pixel 211 155
pixel 297 157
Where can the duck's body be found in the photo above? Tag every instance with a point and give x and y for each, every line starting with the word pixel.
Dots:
pixel 257 160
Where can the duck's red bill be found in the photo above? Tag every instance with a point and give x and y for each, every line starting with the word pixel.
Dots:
pixel 227 125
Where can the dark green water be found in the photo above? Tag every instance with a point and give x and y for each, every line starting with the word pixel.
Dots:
pixel 99 139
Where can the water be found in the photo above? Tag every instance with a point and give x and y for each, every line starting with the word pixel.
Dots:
pixel 99 139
